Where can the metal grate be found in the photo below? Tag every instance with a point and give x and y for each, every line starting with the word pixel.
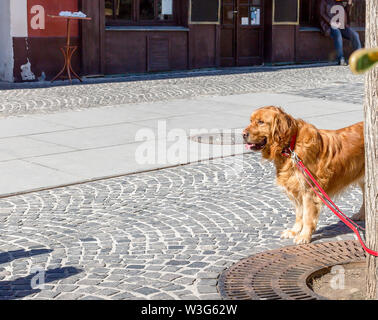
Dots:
pixel 284 273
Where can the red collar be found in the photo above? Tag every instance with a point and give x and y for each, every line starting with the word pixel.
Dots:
pixel 286 152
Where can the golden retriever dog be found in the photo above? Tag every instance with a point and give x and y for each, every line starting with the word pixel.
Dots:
pixel 334 157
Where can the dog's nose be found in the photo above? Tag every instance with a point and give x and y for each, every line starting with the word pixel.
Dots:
pixel 245 134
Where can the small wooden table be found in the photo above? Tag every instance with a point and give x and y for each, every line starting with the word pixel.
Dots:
pixel 68 50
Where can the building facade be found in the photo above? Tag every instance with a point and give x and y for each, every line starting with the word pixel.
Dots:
pixel 137 36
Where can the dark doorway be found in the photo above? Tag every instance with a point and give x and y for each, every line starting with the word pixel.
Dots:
pixel 242 32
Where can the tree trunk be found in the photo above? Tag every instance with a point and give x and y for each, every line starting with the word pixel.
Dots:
pixel 371 151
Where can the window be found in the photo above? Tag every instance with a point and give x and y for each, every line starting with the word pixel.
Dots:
pixel 358 13
pixel 309 13
pixel 250 12
pixel 255 13
pixel 139 12
pixel 119 9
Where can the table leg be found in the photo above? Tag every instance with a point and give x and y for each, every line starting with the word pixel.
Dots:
pixel 70 66
pixel 67 54
pixel 65 65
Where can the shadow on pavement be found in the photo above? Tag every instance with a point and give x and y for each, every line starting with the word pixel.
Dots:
pixel 22 287
pixel 333 230
pixel 17 254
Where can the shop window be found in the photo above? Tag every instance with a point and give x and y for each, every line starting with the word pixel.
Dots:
pixel 309 13
pixel 139 12
pixel 147 10
pixel 358 14
pixel 250 12
pixel 125 9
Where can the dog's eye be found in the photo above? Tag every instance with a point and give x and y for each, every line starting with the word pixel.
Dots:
pixel 260 122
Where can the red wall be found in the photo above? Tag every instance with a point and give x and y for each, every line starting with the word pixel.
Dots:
pixel 53 27
pixel 42 46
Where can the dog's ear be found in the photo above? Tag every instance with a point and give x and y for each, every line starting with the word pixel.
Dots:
pixel 282 126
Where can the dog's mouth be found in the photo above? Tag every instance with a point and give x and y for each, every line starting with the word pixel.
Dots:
pixel 256 146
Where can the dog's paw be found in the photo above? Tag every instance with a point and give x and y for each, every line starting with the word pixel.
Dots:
pixel 302 239
pixel 288 234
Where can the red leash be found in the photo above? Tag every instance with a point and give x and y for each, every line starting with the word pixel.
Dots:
pixel 288 152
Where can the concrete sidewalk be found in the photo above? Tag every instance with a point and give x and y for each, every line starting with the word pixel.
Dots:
pixel 42 151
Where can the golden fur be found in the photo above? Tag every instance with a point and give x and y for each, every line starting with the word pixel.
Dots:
pixel 334 157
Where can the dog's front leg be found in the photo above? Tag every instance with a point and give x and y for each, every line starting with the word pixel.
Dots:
pixel 291 233
pixel 311 210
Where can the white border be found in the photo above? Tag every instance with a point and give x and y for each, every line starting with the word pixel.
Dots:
pixel 19 18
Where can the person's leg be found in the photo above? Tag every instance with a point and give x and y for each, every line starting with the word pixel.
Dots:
pixel 353 36
pixel 338 40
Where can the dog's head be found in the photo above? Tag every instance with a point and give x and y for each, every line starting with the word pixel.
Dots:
pixel 269 131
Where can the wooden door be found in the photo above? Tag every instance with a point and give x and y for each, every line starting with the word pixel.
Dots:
pixel 242 33
pixel 228 33
pixel 250 32
pixel 93 37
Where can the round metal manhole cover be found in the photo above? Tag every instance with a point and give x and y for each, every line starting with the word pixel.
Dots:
pixel 219 138
pixel 284 273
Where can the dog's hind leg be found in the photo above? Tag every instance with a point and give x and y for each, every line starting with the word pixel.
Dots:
pixel 291 233
pixel 311 210
pixel 360 216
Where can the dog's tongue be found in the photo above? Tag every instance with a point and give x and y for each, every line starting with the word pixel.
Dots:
pixel 250 146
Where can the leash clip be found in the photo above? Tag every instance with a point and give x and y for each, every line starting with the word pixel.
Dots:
pixel 294 156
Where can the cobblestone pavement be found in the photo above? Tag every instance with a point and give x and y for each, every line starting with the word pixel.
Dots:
pixel 330 82
pixel 164 234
